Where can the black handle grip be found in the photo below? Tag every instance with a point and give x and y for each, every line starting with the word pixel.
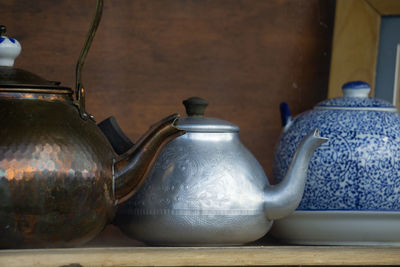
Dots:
pixel 118 140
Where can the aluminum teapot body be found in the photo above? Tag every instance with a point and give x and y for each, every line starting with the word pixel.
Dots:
pixel 206 188
pixel 208 182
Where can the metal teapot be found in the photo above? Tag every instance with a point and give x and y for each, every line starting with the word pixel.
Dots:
pixel 60 180
pixel 206 188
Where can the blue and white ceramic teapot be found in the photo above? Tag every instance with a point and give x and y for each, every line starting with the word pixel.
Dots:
pixel 358 169
pixel 352 192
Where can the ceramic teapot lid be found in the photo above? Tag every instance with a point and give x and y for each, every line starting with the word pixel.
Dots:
pixel 195 122
pixel 11 77
pixel 356 98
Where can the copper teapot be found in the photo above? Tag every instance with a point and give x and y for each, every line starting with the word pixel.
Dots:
pixel 60 180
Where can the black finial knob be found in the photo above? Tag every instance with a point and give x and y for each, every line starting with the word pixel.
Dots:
pixel 3 30
pixel 195 106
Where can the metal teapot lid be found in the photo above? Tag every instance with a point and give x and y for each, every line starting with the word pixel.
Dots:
pixel 356 98
pixel 15 78
pixel 195 122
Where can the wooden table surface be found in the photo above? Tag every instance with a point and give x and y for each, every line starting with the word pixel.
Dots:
pixel 204 256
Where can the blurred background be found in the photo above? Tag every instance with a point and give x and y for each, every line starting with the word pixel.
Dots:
pixel 243 56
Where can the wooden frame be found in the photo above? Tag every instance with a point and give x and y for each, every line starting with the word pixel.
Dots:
pixel 355 41
pixel 396 96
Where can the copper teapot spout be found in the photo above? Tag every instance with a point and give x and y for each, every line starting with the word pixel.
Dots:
pixel 131 168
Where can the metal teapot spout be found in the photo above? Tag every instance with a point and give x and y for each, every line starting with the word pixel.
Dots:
pixel 131 168
pixel 282 199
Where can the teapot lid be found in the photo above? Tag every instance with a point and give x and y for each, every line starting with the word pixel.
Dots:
pixel 195 122
pixel 15 79
pixel 356 98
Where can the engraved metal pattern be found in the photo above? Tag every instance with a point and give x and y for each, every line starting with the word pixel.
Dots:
pixel 204 181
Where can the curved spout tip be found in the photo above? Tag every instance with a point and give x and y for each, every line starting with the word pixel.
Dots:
pixel 317 135
pixel 171 119
pixel 282 199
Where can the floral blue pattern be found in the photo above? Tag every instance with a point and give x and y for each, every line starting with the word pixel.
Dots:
pixel 357 169
pixel 355 102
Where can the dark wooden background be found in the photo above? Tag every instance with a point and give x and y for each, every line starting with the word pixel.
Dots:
pixel 243 56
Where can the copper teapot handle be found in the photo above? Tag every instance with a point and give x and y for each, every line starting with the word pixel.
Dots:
pixel 79 88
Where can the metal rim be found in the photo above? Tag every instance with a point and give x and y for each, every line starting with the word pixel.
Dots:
pixel 34 90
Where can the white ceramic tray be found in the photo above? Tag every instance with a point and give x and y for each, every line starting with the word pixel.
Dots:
pixel 339 228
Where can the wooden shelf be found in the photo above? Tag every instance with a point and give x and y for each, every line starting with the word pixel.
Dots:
pixel 203 256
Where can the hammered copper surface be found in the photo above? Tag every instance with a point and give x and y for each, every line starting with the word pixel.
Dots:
pixel 57 181
pixel 57 171
pixel 55 175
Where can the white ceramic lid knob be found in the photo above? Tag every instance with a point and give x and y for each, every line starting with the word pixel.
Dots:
pixel 9 49
pixel 356 89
